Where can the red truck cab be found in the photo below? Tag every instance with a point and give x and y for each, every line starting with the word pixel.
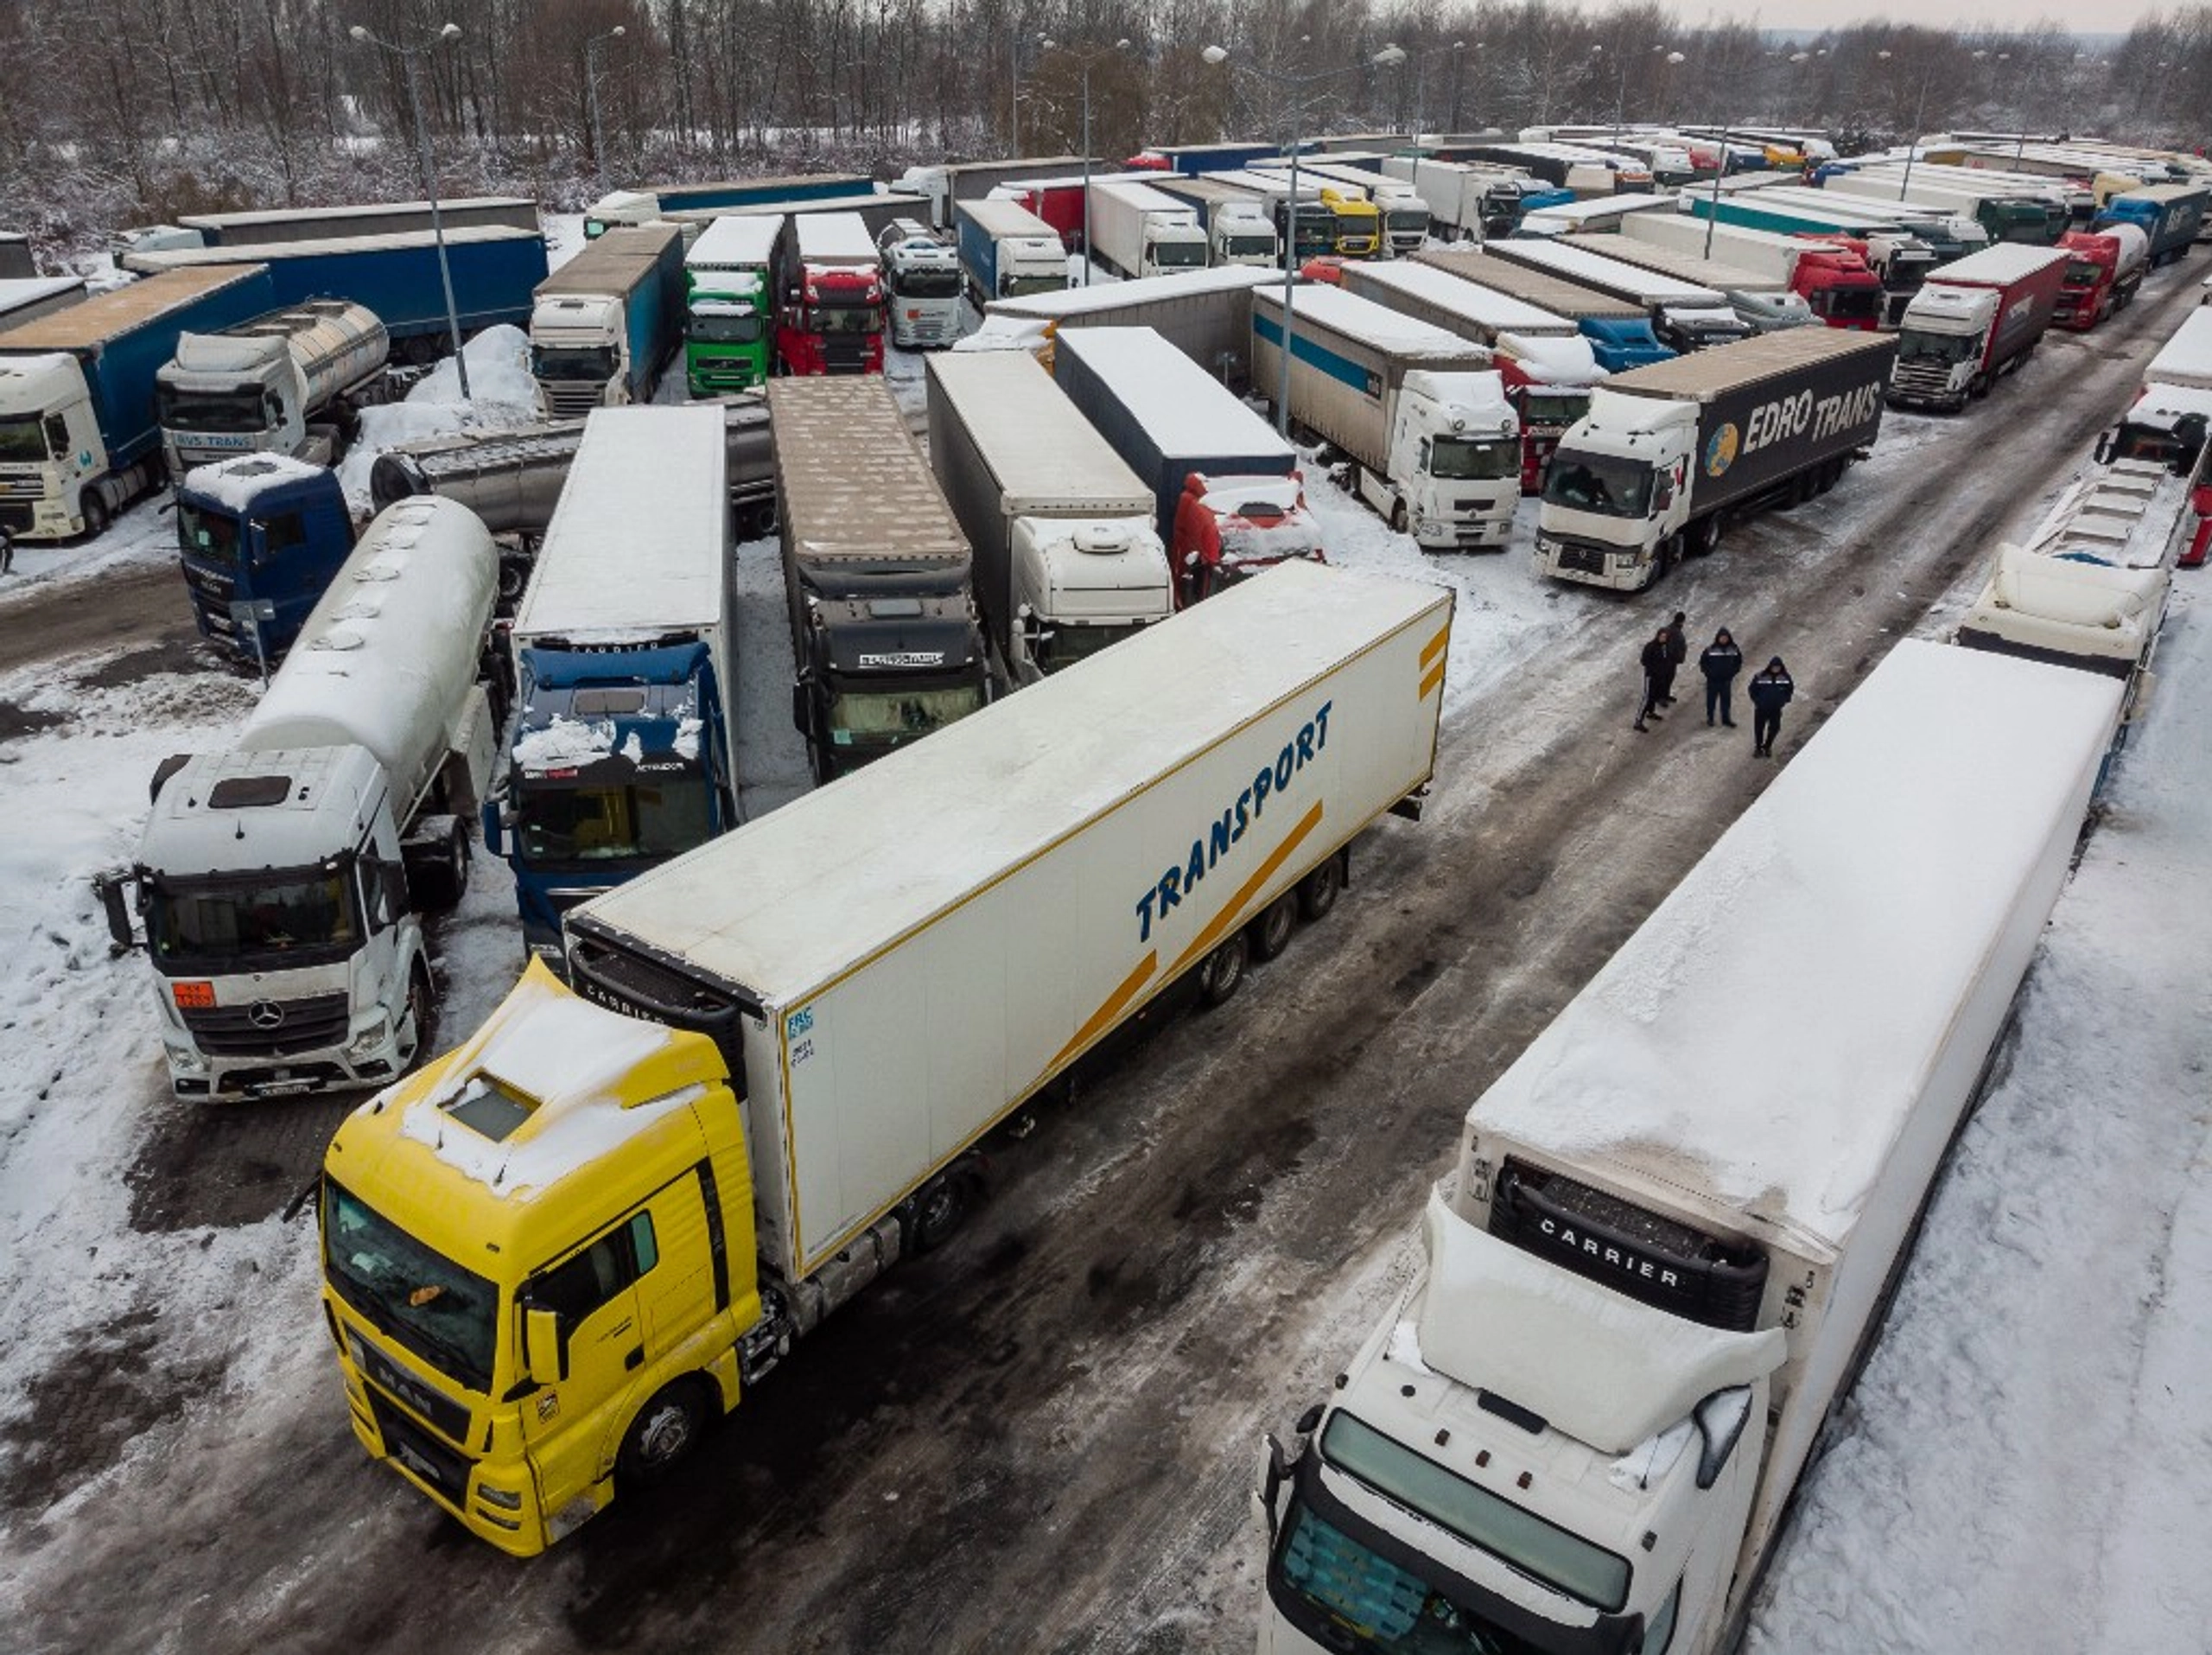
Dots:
pixel 1838 287
pixel 1228 529
pixel 1549 382
pixel 832 322
pixel 2103 270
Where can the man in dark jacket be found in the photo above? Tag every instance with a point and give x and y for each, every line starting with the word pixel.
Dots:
pixel 1770 691
pixel 1657 671
pixel 1721 663
pixel 1678 651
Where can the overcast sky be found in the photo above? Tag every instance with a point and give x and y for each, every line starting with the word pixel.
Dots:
pixel 2109 16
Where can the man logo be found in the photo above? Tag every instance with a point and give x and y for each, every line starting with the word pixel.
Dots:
pixel 264 1014
pixel 1720 452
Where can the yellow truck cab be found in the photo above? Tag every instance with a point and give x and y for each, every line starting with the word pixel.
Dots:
pixel 1359 222
pixel 537 1257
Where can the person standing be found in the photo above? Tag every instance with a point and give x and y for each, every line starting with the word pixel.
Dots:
pixel 1720 662
pixel 1770 691
pixel 1655 674
pixel 1678 651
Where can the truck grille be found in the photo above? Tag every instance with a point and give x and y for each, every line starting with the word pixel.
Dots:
pixel 1918 383
pixel 249 1031
pixel 21 488
pixel 419 1451
pixel 573 400
pixel 1587 560
pixel 14 518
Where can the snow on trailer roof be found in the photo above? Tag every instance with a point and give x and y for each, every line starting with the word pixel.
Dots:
pixel 271 252
pixel 1045 455
pixel 998 217
pixel 18 292
pixel 1605 206
pixel 851 485
pixel 1713 273
pixel 1760 1042
pixel 616 563
pixel 791 900
pixel 1999 266
pixel 1608 275
pixel 1554 294
pixel 105 315
pixel 1145 197
pixel 1182 407
pixel 358 210
pixel 1375 324
pixel 1121 296
pixel 2186 359
pixel 840 236
pixel 1705 374
pixel 1485 307
pixel 735 242
pixel 233 483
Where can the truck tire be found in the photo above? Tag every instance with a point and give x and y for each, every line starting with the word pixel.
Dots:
pixel 662 1434
pixel 939 1209
pixel 1223 974
pixel 1319 891
pixel 422 1012
pixel 1270 932
pixel 437 872
pixel 1398 516
pixel 96 515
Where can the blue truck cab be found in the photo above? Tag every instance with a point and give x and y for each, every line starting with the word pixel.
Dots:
pixel 1622 343
pixel 260 537
pixel 2168 216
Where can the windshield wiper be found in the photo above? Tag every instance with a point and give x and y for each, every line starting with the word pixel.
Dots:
pixel 456 1362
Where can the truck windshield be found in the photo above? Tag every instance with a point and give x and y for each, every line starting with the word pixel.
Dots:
pixel 1179 254
pixel 1942 350
pixel 555 362
pixel 206 534
pixel 888 717
pixel 1459 459
pixel 1553 407
pixel 1597 482
pixel 926 285
pixel 1014 287
pixel 834 317
pixel 238 408
pixel 1565 1562
pixel 725 327
pixel 1405 220
pixel 1067 644
pixel 23 442
pixel 1249 248
pixel 447 1315
pixel 637 821
pixel 309 912
pixel 1852 303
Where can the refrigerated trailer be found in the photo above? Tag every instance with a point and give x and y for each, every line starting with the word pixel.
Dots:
pixel 789 1044
pixel 1678 1216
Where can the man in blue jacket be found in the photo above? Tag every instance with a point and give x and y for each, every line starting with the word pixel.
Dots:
pixel 1771 689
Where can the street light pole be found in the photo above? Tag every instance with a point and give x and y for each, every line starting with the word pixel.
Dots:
pixel 407 55
pixel 1088 58
pixel 591 95
pixel 1387 57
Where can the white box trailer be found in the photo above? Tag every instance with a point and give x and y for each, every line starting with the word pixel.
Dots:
pixel 1679 1213
pixel 2186 359
pixel 1687 315
pixel 885 997
pixel 1206 315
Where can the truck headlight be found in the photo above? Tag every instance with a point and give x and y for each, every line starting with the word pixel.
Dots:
pixel 186 1059
pixel 499 1497
pixel 377 1031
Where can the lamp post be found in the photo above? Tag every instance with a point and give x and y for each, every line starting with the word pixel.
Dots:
pixel 1389 57
pixel 591 94
pixel 1912 138
pixel 407 55
pixel 1087 58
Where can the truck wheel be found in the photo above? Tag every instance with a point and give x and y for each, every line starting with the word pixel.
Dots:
pixel 1398 516
pixel 96 516
pixel 1978 387
pixel 1223 972
pixel 1271 932
pixel 422 1013
pixel 939 1210
pixel 1319 891
pixel 664 1432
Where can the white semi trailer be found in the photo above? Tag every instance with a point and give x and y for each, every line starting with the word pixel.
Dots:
pixel 281 881
pixel 1435 446
pixel 1678 1215
pixel 285 383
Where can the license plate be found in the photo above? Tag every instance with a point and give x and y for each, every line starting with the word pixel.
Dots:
pixel 279 1088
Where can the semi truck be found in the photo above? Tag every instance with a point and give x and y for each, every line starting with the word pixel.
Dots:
pixel 269 227
pixel 2104 270
pixel 885 633
pixel 1404 216
pixel 829 299
pixel 398 277
pixel 80 436
pixel 1546 365
pixel 1069 558
pixel 1239 230
pixel 1136 231
pixel 512 479
pixel 1762 303
pixel 1419 414
pixel 1226 492
pixel 1206 315
pixel 2170 216
pixel 602 326
pixel 945 186
pixel 259 538
pixel 281 881
pixel 2006 214
pixel 781 1058
pixel 1685 316
pixel 1836 284
pixel 287 383
pixel 1667 451
pixel 1976 319
pixel 726 274
pixel 1006 251
pixel 1901 255
pixel 922 284
pixel 1468 202
pixel 27 298
pixel 1581 1425
pixel 1620 331
pixel 630 207
pixel 1312 228
pixel 620 753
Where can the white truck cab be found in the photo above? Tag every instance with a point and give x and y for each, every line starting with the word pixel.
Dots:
pixel 51 449
pixel 1242 234
pixel 1454 476
pixel 1080 584
pixel 1941 338
pixel 922 275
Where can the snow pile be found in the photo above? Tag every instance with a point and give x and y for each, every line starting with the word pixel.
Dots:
pixel 235 481
pixel 503 397
pixel 564 742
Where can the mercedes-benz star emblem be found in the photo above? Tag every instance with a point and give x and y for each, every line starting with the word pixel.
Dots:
pixel 264 1014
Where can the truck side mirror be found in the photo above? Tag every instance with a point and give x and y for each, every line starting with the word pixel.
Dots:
pixel 802 704
pixel 1274 1466
pixel 495 821
pixel 111 887
pixel 1720 1419
pixel 545 1355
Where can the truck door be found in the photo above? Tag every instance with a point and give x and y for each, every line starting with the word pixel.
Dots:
pixel 576 1427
